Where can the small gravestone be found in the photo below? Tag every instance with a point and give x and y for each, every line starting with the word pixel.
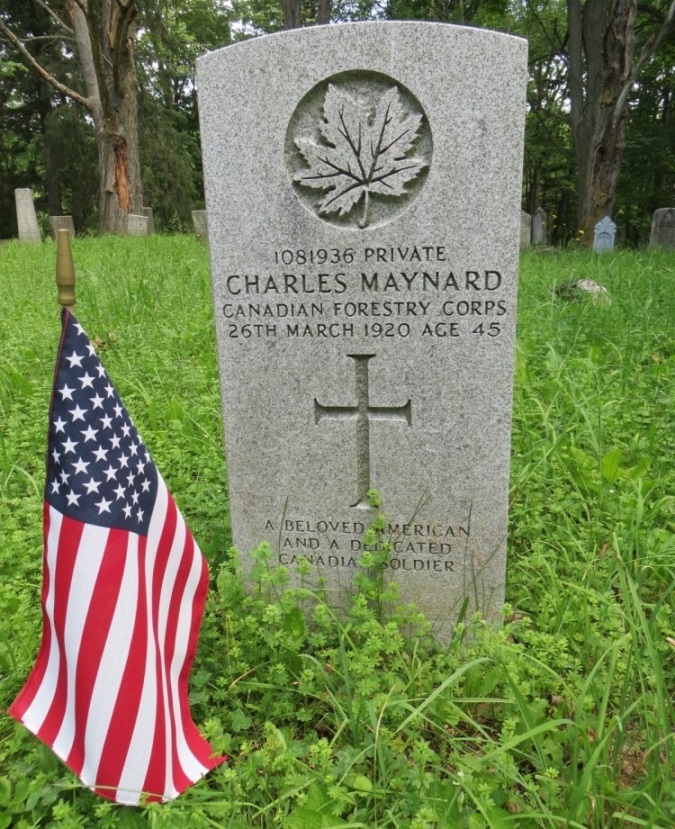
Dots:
pixel 26 217
pixel 200 223
pixel 365 311
pixel 57 223
pixel 137 225
pixel 147 212
pixel 605 233
pixel 525 229
pixel 663 229
pixel 539 227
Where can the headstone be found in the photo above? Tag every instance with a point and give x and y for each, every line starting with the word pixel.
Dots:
pixel 147 212
pixel 525 229
pixel 137 225
pixel 663 229
pixel 62 223
pixel 200 223
pixel 604 235
pixel 365 301
pixel 539 227
pixel 26 217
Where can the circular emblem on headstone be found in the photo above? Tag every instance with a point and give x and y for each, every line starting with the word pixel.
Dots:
pixel 358 149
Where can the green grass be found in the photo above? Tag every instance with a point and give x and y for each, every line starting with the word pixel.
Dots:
pixel 561 718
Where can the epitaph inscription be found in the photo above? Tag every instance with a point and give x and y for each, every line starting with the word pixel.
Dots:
pixel 363 210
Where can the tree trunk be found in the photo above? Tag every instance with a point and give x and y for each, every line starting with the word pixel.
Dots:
pixel 291 13
pixel 106 55
pixel 602 70
pixel 323 10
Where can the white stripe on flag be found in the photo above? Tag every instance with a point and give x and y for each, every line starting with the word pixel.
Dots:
pixel 85 573
pixel 114 658
pixel 39 708
pixel 189 763
pixel 142 740
pixel 166 598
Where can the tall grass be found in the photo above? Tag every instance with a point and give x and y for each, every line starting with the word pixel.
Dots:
pixel 561 718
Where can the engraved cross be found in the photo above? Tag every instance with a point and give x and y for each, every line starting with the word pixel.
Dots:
pixel 362 414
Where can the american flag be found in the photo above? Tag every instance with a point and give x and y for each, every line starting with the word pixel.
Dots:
pixel 122 599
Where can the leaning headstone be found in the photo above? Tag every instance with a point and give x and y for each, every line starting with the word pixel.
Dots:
pixel 365 311
pixel 200 223
pixel 137 225
pixel 147 212
pixel 26 217
pixel 525 229
pixel 539 227
pixel 604 235
pixel 663 229
pixel 57 223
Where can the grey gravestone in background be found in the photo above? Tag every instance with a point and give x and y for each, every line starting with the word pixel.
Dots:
pixel 604 235
pixel 137 225
pixel 663 228
pixel 525 229
pixel 539 227
pixel 57 223
pixel 200 223
pixel 26 218
pixel 365 296
pixel 147 212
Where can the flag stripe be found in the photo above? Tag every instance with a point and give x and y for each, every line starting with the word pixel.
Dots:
pixel 27 695
pixel 83 580
pixel 97 682
pixel 112 668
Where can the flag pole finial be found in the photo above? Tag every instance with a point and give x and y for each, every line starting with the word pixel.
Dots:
pixel 65 270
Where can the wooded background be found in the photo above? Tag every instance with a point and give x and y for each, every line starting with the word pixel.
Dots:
pixel 98 108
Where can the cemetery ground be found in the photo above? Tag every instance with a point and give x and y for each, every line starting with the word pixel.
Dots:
pixel 563 717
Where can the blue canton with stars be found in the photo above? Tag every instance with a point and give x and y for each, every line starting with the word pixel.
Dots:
pixel 98 469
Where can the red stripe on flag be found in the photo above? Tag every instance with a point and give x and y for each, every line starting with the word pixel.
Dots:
pixel 94 637
pixel 66 558
pixel 155 780
pixel 34 681
pixel 123 721
pixel 196 743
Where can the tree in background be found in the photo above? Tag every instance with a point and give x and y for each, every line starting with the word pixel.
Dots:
pixel 99 33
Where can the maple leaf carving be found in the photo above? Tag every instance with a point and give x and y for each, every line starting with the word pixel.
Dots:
pixel 365 152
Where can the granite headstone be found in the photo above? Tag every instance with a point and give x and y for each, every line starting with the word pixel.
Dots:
pixel 57 223
pixel 525 229
pixel 26 217
pixel 539 227
pixel 604 235
pixel 147 212
pixel 363 226
pixel 663 228
pixel 200 223
pixel 137 225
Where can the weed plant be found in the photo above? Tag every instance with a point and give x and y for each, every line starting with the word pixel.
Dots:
pixel 562 717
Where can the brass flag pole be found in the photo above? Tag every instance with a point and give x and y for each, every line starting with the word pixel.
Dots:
pixel 65 270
